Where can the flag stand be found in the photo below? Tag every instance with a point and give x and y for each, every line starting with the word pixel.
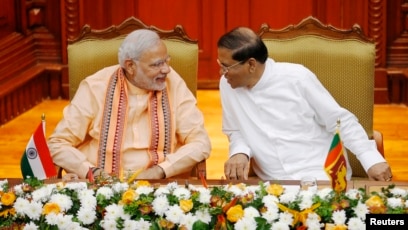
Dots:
pixel 335 165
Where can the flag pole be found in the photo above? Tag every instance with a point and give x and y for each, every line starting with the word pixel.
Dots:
pixel 336 164
pixel 43 123
pixel 338 124
pixel 36 160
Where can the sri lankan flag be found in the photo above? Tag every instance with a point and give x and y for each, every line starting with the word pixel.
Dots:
pixel 335 165
pixel 36 160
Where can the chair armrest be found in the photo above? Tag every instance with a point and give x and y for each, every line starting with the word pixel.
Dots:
pixel 201 167
pixel 251 173
pixel 378 138
pixel 60 171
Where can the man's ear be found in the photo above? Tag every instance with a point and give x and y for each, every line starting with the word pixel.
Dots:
pixel 252 64
pixel 129 67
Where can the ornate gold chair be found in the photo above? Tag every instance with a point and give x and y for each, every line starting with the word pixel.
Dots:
pixel 94 49
pixel 343 60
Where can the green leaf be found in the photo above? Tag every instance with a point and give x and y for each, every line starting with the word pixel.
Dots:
pixel 262 224
pixel 199 225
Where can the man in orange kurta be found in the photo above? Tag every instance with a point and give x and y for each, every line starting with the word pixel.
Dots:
pixel 135 115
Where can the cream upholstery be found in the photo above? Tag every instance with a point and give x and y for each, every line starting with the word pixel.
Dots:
pixel 343 61
pixel 336 65
pixel 96 49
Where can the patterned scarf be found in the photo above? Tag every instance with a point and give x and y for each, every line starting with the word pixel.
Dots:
pixel 113 125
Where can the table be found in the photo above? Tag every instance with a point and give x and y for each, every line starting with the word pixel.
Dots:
pixel 368 185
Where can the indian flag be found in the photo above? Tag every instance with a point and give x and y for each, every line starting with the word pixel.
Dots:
pixel 335 165
pixel 36 160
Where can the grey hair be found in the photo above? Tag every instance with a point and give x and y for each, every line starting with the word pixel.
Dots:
pixel 135 44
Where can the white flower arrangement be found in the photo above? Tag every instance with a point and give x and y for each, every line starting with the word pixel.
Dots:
pixel 139 205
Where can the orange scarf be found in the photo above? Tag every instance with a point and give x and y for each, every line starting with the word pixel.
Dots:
pixel 114 123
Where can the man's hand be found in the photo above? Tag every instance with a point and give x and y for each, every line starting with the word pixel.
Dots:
pixel 237 167
pixel 98 173
pixel 155 172
pixel 380 172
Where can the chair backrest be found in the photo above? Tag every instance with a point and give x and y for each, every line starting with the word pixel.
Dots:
pixel 343 60
pixel 93 50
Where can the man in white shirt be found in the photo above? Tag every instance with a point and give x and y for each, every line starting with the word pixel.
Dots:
pixel 281 116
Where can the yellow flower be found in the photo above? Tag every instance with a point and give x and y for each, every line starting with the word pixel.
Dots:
pixel 145 209
pixel 247 198
pixel 129 196
pixel 60 185
pixel 8 212
pixel 51 208
pixel 142 183
pixel 275 189
pixel 299 216
pixel 186 205
pixel 235 213
pixel 165 224
pixel 335 227
pixel 376 205
pixel 134 175
pixel 374 201
pixel 240 186
pixel 8 198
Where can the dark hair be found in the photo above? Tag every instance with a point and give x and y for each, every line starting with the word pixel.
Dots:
pixel 244 44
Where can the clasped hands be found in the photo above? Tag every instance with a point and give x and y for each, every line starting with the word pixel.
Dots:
pixel 380 172
pixel 237 167
pixel 155 172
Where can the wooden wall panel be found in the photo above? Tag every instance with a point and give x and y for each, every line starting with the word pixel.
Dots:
pixel 377 30
pixel 7 18
pixel 236 13
pixel 166 14
pixel 395 20
pixel 30 52
pixel 48 24
pixel 397 15
pixel 346 13
pixel 279 13
pixel 207 20
pixel 212 26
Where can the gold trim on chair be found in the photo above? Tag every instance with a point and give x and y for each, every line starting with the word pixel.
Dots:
pixel 128 26
pixel 312 26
